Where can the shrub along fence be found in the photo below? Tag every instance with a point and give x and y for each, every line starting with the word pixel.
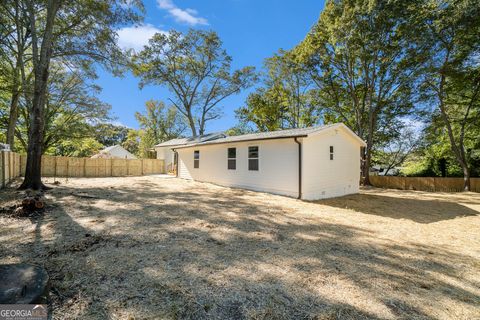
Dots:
pixel 424 183
pixel 13 165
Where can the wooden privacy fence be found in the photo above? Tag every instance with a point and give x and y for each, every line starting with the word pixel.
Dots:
pixel 9 167
pixel 13 165
pixel 424 183
pixel 98 167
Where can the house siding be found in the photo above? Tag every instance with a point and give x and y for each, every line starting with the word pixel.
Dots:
pixel 325 178
pixel 167 155
pixel 278 166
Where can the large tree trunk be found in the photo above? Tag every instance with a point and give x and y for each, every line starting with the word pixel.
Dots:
pixel 368 150
pixel 41 65
pixel 366 164
pixel 191 122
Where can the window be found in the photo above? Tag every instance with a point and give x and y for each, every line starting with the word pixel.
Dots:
pixel 196 159
pixel 331 152
pixel 253 158
pixel 232 158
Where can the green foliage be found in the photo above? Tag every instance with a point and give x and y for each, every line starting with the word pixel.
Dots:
pixel 451 79
pixel 85 147
pixel 160 123
pixel 71 107
pixel 239 129
pixel 435 157
pixel 109 134
pixel 132 142
pixel 395 153
pixel 284 101
pixel 363 59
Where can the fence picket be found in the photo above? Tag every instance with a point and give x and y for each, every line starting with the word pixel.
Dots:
pixel 12 165
pixel 435 184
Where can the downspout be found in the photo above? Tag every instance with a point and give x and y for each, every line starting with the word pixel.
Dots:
pixel 175 159
pixel 299 167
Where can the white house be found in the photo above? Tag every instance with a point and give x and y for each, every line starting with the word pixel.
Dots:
pixel 309 163
pixel 115 152
pixel 165 152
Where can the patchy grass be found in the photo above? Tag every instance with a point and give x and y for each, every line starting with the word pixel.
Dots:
pixel 152 247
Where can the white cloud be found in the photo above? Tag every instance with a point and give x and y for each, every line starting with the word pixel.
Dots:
pixel 189 16
pixel 136 37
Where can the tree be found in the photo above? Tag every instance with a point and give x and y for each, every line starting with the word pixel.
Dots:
pixel 85 147
pixel 284 101
pixel 239 129
pixel 451 32
pixel 364 59
pixel 109 134
pixel 160 123
pixel 78 31
pixel 263 110
pixel 132 142
pixel 71 108
pixel 196 70
pixel 396 151
pixel 16 41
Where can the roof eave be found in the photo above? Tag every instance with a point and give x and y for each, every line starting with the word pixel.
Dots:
pixel 238 141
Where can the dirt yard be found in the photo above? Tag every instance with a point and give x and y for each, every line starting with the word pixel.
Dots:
pixel 164 248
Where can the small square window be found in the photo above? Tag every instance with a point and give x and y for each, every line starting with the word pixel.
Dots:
pixel 232 164
pixel 331 149
pixel 232 158
pixel 252 152
pixel 253 158
pixel 196 159
pixel 331 156
pixel 253 164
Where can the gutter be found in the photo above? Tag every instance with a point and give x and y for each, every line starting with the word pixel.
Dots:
pixel 299 167
pixel 175 157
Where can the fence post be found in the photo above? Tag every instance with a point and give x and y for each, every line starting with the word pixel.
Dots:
pixel 141 164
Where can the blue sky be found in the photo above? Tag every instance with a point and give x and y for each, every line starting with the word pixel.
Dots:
pixel 250 30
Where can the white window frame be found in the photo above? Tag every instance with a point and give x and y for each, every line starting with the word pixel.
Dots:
pixel 257 158
pixel 228 158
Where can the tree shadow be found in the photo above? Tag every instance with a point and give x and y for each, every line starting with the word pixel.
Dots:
pixel 417 210
pixel 202 254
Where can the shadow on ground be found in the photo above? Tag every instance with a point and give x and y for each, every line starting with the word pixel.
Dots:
pixel 197 253
pixel 418 210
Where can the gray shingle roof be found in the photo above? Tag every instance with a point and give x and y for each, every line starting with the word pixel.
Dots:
pixel 289 133
pixel 173 142
pixel 191 140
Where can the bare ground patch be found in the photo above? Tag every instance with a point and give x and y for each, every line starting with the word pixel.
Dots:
pixel 150 248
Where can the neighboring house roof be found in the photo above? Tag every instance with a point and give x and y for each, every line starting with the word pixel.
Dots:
pixel 192 140
pixel 289 133
pixel 116 151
